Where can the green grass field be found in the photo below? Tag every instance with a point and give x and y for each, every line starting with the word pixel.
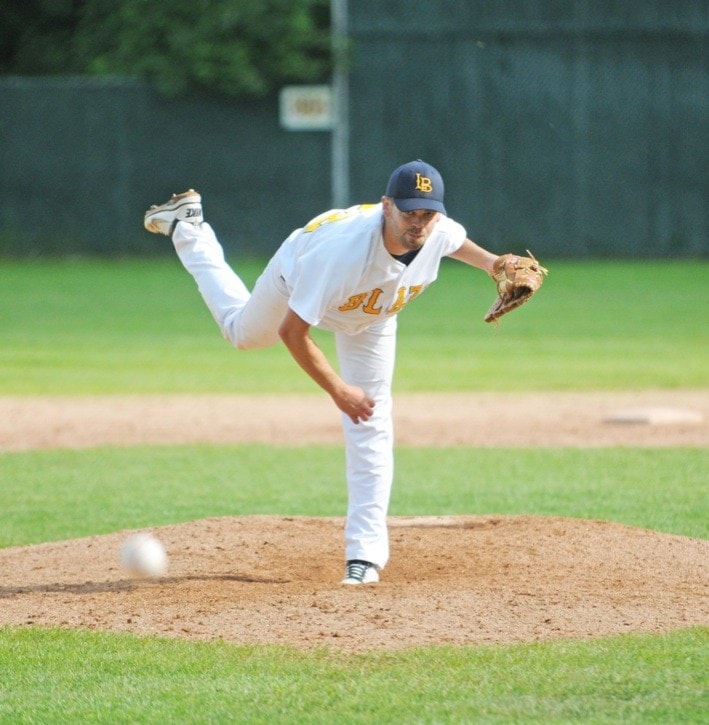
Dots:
pixel 82 327
pixel 140 326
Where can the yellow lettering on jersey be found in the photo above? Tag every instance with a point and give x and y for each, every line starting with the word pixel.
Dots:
pixel 414 291
pixel 399 302
pixel 353 302
pixel 403 299
pixel 325 218
pixel 369 308
pixel 333 216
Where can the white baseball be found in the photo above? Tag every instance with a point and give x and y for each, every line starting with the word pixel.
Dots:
pixel 144 555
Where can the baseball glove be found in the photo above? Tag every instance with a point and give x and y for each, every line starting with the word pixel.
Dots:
pixel 517 279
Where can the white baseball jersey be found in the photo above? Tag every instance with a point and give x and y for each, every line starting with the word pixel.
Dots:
pixel 339 276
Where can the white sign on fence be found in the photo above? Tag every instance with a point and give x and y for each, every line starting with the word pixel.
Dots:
pixel 306 108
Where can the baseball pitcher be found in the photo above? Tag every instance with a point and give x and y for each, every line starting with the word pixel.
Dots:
pixel 349 271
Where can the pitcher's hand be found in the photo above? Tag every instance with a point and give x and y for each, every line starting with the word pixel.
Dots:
pixel 354 403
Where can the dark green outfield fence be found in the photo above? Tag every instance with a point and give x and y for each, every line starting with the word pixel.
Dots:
pixel 82 159
pixel 569 127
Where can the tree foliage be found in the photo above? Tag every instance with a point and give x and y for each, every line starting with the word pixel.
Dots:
pixel 234 48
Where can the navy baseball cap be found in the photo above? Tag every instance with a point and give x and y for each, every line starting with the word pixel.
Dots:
pixel 416 185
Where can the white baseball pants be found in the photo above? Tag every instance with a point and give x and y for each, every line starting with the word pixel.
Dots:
pixel 250 320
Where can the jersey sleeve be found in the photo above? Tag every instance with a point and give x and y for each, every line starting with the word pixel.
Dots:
pixel 455 235
pixel 319 280
pixel 328 258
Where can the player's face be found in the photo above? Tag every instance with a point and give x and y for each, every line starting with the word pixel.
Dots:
pixel 410 229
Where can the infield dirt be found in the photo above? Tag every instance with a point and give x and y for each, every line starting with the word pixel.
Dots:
pixel 454 580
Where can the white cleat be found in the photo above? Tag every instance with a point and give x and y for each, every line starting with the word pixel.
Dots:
pixel 185 207
pixel 360 572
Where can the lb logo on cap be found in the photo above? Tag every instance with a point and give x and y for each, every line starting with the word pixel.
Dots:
pixel 423 183
pixel 416 185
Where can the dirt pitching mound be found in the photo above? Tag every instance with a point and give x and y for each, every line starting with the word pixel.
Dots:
pixel 451 580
